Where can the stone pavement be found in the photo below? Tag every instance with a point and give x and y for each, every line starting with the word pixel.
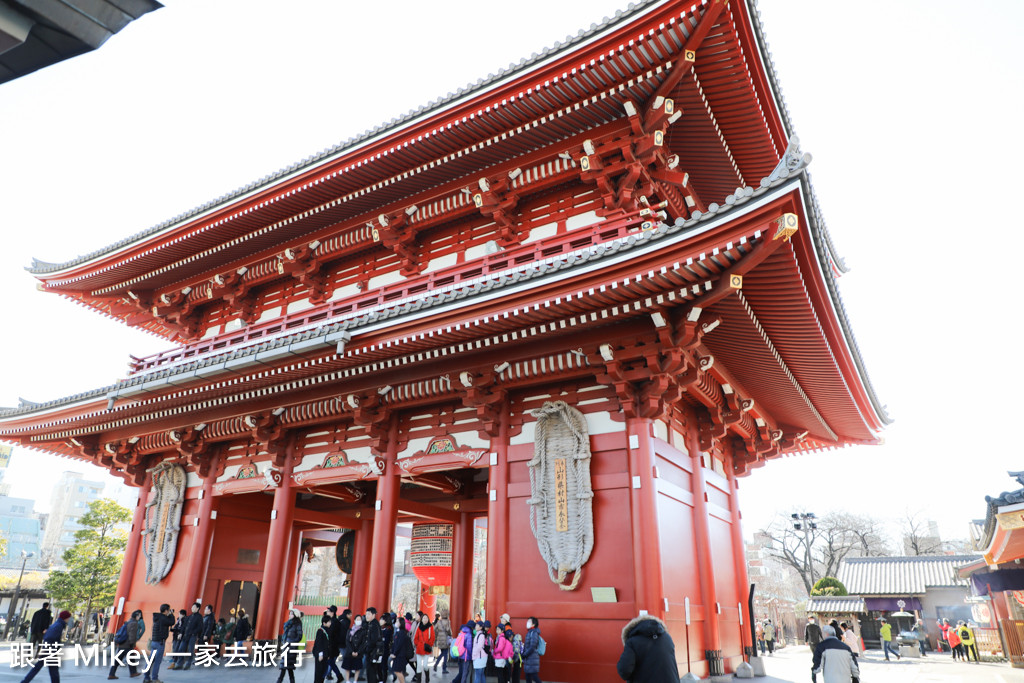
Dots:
pixel 790 665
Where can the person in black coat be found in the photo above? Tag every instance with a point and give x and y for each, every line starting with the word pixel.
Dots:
pixel 41 620
pixel 242 628
pixel 402 650
pixel 373 646
pixel 322 649
pixel 162 623
pixel 192 631
pixel 209 625
pixel 337 638
pixel 648 653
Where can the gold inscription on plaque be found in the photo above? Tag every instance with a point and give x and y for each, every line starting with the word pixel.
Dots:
pixel 561 496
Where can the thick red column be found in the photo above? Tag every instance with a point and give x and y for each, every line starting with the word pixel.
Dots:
pixel 702 535
pixel 643 502
pixel 382 563
pixel 131 553
pixel 497 523
pixel 740 558
pixel 360 578
pixel 202 541
pixel 276 556
pixel 462 571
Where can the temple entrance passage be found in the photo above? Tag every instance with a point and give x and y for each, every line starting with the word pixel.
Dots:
pixel 236 595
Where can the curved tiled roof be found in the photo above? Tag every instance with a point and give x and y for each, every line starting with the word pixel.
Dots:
pixel 39 267
pixel 901 575
pixel 845 604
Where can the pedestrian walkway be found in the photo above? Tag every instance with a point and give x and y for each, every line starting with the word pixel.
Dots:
pixel 789 665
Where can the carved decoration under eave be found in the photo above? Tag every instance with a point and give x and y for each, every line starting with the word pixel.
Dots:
pixel 163 520
pixel 249 479
pixel 561 497
pixel 303 264
pixel 395 231
pixel 497 199
pixel 236 293
pixel 333 474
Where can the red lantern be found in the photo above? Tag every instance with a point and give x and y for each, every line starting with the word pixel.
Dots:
pixel 430 553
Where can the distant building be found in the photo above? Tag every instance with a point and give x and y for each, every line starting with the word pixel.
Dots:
pixel 778 592
pixel 927 542
pixel 69 500
pixel 22 530
pixel 5 460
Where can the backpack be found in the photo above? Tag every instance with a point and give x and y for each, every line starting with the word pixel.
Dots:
pixel 460 643
pixel 142 628
pixel 122 634
pixel 541 645
pixel 488 645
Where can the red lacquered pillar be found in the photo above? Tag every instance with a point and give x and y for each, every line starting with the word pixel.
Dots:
pixel 497 523
pixel 462 572
pixel 702 536
pixel 384 523
pixel 131 552
pixel 276 558
pixel 643 500
pixel 740 558
pixel 202 542
pixel 360 578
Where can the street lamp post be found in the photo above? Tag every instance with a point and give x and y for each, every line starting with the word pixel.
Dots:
pixel 806 521
pixel 17 594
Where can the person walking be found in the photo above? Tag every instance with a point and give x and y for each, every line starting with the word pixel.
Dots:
pixel 403 650
pixel 322 649
pixel 42 618
pixel 648 653
pixel 464 648
pixel 886 632
pixel 243 629
pixel 833 660
pixel 373 646
pixel 503 652
pixel 812 633
pixel 442 641
pixel 131 637
pixel 966 634
pixel 769 636
pixel 759 636
pixel 531 651
pixel 162 623
pixel 52 636
pixel 953 638
pixel 943 625
pixel 291 635
pixel 922 637
pixel 352 661
pixel 192 632
pixel 851 640
pixel 423 643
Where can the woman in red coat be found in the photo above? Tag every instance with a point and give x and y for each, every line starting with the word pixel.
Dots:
pixel 423 640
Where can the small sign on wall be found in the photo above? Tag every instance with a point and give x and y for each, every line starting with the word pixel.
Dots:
pixel 603 594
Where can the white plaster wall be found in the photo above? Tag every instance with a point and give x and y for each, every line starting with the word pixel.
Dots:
pixel 299 305
pixel 541 231
pixel 385 279
pixel 582 220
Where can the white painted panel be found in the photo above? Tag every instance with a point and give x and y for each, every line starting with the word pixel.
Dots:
pixel 470 440
pixel 300 305
pixel 582 220
pixel 441 262
pixel 661 430
pixel 311 460
pixel 230 472
pixel 525 436
pixel 211 332
pixel 232 325
pixel 270 314
pixel 385 279
pixel 679 441
pixel 541 231
pixel 602 423
pixel 415 445
pixel 192 479
pixel 363 454
pixel 344 292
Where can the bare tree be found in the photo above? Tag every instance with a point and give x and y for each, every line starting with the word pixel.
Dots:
pixel 817 549
pixel 918 538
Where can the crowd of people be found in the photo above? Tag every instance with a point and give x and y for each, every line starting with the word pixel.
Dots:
pixel 392 646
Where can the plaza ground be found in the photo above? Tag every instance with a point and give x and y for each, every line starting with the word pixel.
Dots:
pixel 789 665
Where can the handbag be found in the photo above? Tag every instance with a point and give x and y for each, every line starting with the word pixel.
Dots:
pixel 500 663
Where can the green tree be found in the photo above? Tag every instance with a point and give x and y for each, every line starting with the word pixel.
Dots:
pixel 3 547
pixel 94 561
pixel 828 585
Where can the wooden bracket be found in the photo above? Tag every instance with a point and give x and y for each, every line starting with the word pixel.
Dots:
pixel 497 200
pixel 395 232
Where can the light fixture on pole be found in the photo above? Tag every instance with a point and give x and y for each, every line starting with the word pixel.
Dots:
pixel 17 594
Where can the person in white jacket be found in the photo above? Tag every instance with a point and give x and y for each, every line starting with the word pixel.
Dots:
pixel 851 639
pixel 833 660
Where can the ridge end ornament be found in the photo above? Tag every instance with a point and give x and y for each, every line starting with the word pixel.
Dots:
pixel 163 520
pixel 561 497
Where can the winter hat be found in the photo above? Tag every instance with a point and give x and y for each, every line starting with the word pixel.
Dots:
pixel 64 615
pixel 487 624
pixel 506 618
pixel 296 613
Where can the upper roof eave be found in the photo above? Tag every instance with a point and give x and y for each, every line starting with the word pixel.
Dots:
pixel 45 270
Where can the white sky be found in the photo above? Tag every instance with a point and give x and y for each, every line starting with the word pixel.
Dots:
pixel 910 111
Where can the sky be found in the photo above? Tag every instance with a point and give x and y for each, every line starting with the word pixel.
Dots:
pixel 911 115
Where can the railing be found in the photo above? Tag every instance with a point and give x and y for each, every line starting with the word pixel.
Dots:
pixel 987 641
pixel 1013 631
pixel 603 231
